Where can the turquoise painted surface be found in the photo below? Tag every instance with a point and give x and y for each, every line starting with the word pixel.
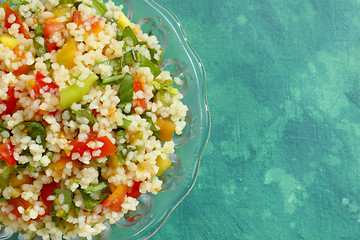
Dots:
pixel 283 160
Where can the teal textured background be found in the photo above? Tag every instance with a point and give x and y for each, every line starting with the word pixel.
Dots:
pixel 283 160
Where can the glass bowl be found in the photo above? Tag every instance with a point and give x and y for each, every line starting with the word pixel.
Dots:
pixel 182 61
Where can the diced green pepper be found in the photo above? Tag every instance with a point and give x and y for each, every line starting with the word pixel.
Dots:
pixel 75 93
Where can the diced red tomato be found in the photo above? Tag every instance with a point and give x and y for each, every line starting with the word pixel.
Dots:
pixel 138 85
pixel 22 70
pixel 7 153
pixel 96 24
pixel 18 202
pixel 134 191
pixel 81 147
pixel 77 18
pixel 115 200
pixel 94 112
pixel 46 191
pixel 51 26
pixel 22 29
pixel 10 102
pixel 134 218
pixel 44 86
pixel 50 46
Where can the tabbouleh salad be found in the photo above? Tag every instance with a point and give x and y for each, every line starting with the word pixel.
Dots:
pixel 86 116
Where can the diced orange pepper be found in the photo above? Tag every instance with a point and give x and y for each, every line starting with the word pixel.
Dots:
pixel 60 165
pixel 167 129
pixel 115 200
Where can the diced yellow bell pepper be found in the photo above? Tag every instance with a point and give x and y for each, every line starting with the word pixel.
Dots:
pixel 113 161
pixel 123 21
pixel 163 164
pixel 146 166
pixel 16 183
pixel 167 129
pixel 60 11
pixel 67 54
pixel 5 5
pixel 8 41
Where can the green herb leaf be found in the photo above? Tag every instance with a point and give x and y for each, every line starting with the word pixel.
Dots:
pixel 21 167
pixel 90 202
pixel 128 32
pixel 35 130
pixel 86 113
pixel 152 125
pixel 5 174
pixel 129 58
pixel 96 187
pixel 144 62
pixel 38 31
pixel 99 7
pixel 119 33
pixel 152 54
pixel 2 128
pixel 68 199
pixel 125 92
pixel 63 2
pixel 120 156
pixel 121 133
pixel 116 63
pixel 126 123
pixel 19 2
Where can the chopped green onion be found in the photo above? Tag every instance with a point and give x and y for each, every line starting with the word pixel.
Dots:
pixel 128 32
